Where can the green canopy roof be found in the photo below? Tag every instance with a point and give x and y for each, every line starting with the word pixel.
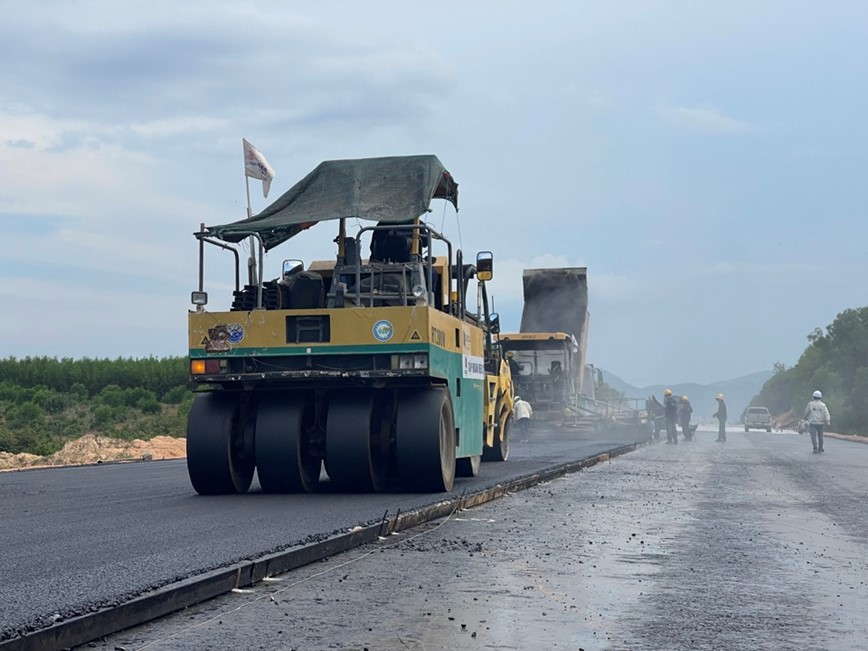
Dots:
pixel 388 189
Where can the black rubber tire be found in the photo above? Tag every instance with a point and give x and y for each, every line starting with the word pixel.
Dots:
pixel 500 450
pixel 768 429
pixel 426 440
pixel 468 466
pixel 355 459
pixel 217 460
pixel 746 428
pixel 284 462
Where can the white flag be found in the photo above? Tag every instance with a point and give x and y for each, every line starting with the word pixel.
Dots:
pixel 256 167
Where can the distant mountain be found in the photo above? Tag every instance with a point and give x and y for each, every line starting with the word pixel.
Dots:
pixel 738 393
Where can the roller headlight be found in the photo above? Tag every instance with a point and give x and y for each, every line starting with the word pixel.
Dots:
pixel 410 362
pixel 420 295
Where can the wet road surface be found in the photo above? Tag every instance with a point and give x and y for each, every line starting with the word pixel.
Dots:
pixel 79 539
pixel 752 544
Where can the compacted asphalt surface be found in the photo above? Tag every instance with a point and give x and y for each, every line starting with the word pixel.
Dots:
pixel 752 544
pixel 79 539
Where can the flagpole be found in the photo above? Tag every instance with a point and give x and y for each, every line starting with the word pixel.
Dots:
pixel 256 166
pixel 251 261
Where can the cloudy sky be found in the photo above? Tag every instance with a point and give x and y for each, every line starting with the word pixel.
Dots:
pixel 705 161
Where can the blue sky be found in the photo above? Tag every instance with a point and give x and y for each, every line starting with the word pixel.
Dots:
pixel 705 163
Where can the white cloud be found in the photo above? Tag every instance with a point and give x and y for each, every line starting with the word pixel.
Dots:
pixel 747 268
pixel 73 169
pixel 602 101
pixel 63 318
pixel 706 120
pixel 613 287
pixel 175 126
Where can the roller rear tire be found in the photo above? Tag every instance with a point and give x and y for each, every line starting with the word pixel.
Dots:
pixel 218 460
pixel 356 457
pixel 283 456
pixel 426 440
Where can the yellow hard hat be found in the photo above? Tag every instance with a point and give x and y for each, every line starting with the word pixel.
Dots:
pixel 509 353
pixel 667 392
pixel 684 398
pixel 720 396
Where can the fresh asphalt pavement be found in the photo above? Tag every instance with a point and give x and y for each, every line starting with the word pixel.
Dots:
pixel 752 544
pixel 79 539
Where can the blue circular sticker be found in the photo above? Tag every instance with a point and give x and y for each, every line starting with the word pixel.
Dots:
pixel 383 330
pixel 236 332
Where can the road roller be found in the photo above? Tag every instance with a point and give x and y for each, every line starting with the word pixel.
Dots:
pixel 378 369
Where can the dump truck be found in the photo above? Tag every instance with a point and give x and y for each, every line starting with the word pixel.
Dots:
pixel 370 371
pixel 547 355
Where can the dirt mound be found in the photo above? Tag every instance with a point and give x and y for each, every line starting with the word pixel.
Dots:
pixel 92 448
pixel 789 420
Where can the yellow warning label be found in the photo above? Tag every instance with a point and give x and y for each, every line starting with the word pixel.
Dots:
pixel 415 336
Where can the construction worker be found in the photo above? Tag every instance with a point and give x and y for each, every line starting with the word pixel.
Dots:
pixel 817 416
pixel 720 415
pixel 522 412
pixel 556 374
pixel 655 412
pixel 685 412
pixel 514 368
pixel 670 405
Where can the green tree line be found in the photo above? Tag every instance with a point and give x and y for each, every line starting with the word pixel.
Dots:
pixel 45 402
pixel 836 363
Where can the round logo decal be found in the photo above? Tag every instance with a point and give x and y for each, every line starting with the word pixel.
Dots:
pixel 236 332
pixel 383 330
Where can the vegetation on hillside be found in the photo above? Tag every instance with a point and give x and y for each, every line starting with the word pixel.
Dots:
pixel 608 393
pixel 45 402
pixel 836 363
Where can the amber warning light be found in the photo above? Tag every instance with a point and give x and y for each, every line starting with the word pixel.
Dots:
pixel 207 366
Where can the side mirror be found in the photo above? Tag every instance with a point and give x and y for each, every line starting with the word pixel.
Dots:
pixel 291 267
pixel 485 265
pixel 494 323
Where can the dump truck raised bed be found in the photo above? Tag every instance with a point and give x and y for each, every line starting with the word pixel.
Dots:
pixel 547 356
pixel 380 369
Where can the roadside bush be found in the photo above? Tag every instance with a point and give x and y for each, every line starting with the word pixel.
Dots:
pixel 78 391
pixel 112 396
pixel 8 391
pixel 51 401
pixel 105 417
pixel 148 405
pixel 176 395
pixel 8 442
pixel 45 402
pixel 20 395
pixel 25 416
pixel 138 395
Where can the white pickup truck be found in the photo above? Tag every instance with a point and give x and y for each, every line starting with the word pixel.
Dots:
pixel 757 418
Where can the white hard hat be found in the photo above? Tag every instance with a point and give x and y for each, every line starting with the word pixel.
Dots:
pixel 818 394
pixel 518 397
